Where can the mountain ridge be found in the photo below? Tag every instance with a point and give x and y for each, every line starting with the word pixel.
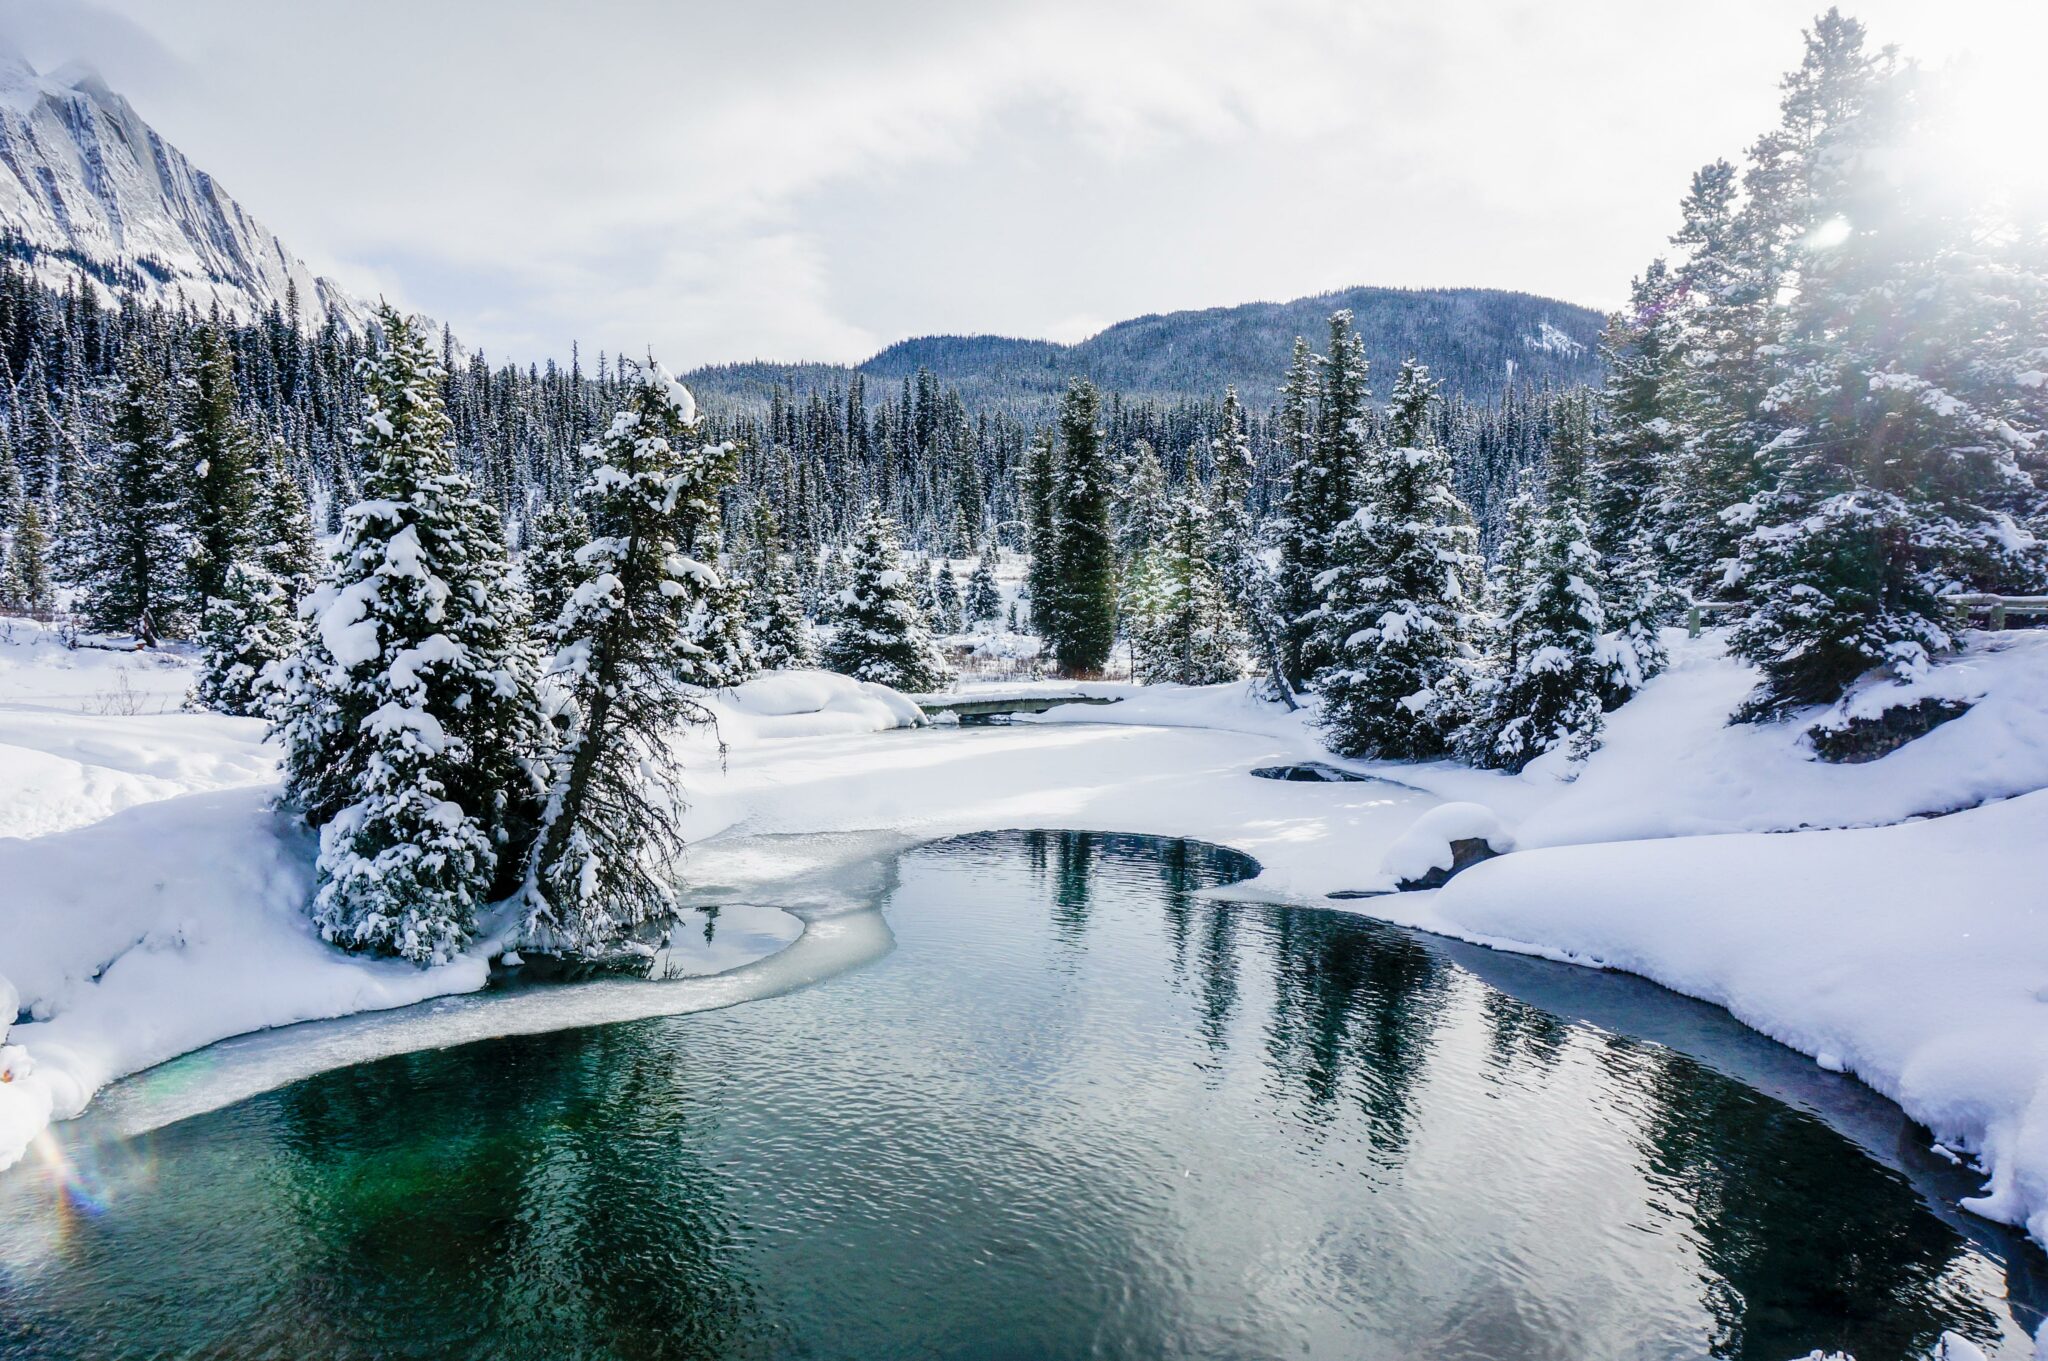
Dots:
pixel 1481 341
pixel 87 185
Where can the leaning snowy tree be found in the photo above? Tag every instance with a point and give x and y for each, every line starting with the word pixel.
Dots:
pixel 1404 571
pixel 880 634
pixel 619 685
pixel 136 550
pixel 407 717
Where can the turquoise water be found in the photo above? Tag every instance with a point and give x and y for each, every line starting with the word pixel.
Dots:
pixel 1078 1110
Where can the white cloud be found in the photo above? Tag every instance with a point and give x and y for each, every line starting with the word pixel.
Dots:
pixel 811 180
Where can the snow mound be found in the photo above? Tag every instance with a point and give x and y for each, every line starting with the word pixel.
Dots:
pixel 1426 845
pixel 780 704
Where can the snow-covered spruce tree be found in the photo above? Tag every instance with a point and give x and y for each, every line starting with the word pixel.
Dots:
pixel 281 539
pixel 549 564
pixel 1639 603
pixel 1547 691
pixel 1322 487
pixel 1041 578
pixel 946 612
pixel 780 632
pixel 1900 480
pixel 1185 630
pixel 248 627
pixel 251 627
pixel 25 586
pixel 135 549
pixel 881 635
pixel 1404 570
pixel 605 857
pixel 984 597
pixel 1142 509
pixel 1084 546
pixel 408 718
pixel 782 636
pixel 1638 439
pixel 214 444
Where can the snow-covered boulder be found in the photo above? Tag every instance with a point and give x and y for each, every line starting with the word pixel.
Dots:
pixel 1442 842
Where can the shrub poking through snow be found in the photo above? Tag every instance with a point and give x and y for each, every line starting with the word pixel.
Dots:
pixel 407 717
pixel 630 648
pixel 1403 570
pixel 881 634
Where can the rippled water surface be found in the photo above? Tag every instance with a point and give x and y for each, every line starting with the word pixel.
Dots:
pixel 1078 1110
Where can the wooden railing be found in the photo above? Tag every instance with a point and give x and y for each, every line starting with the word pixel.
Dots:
pixel 1999 606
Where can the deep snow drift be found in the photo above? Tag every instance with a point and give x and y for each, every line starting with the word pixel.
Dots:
pixel 153 902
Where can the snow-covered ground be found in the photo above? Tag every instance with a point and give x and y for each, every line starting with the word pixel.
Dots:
pixel 152 901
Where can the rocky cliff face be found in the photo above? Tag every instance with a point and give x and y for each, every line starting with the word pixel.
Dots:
pixel 87 187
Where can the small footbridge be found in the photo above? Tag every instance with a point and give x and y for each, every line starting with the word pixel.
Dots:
pixel 975 707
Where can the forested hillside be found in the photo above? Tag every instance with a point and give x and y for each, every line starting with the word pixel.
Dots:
pixel 1480 341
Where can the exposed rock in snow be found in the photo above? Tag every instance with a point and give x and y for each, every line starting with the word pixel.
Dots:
pixel 1447 839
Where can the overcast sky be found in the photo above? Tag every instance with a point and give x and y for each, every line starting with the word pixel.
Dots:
pixel 801 179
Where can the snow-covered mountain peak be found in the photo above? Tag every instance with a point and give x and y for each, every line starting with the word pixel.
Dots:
pixel 86 186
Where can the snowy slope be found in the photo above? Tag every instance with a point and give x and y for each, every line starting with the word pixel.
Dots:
pixel 84 182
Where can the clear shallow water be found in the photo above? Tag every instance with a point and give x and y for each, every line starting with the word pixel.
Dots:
pixel 1077 1110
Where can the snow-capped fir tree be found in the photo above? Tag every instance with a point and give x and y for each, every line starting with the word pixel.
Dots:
pixel 1639 603
pixel 782 636
pixel 135 550
pixel 215 446
pixel 781 633
pixel 408 716
pixel 1638 439
pixel 1184 629
pixel 1234 548
pixel 1084 546
pixel 946 603
pixel 1899 480
pixel 251 627
pixel 880 634
pixel 1321 492
pixel 605 858
pixel 12 492
pixel 1143 508
pixel 1547 690
pixel 25 586
pixel 281 539
pixel 1404 571
pixel 984 597
pixel 248 626
pixel 1041 579
pixel 549 564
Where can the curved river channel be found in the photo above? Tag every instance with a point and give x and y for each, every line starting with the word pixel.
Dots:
pixel 1082 1106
